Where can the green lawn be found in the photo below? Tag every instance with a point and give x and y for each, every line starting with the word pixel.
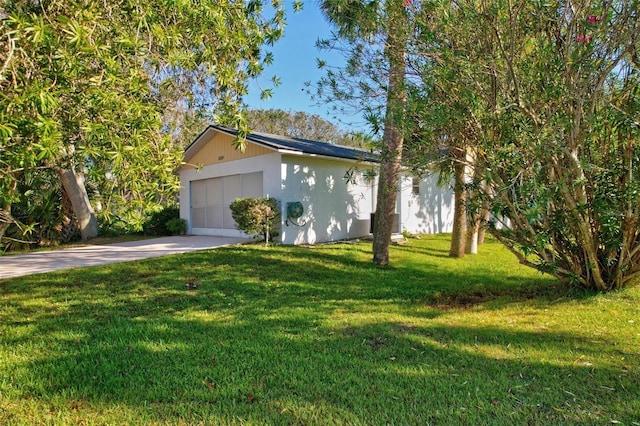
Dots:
pixel 293 335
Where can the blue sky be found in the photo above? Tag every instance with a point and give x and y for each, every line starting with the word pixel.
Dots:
pixel 295 63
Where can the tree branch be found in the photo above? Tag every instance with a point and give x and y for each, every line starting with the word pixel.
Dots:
pixel 12 47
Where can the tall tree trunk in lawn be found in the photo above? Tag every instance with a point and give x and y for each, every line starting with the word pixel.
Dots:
pixel 474 214
pixel 391 158
pixel 484 220
pixel 458 239
pixel 472 236
pixel 386 199
pixel 73 185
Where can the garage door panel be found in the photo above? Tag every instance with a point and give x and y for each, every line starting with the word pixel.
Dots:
pixel 198 193
pixel 215 216
pixel 232 188
pixel 198 217
pixel 214 191
pixel 210 199
pixel 229 223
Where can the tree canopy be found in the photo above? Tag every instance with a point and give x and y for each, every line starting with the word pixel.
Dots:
pixel 84 86
pixel 535 106
pixel 545 94
pixel 303 125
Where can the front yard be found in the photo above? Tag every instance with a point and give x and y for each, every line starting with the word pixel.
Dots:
pixel 294 335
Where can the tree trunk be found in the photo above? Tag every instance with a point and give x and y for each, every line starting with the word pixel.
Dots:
pixel 5 219
pixel 459 211
pixel 391 157
pixel 69 226
pixel 73 185
pixel 5 212
pixel 472 237
pixel 484 219
pixel 474 215
pixel 388 182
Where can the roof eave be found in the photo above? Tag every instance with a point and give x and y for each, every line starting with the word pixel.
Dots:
pixel 202 139
pixel 329 157
pixel 195 146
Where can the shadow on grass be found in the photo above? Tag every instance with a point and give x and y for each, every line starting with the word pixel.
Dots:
pixel 294 370
pixel 294 336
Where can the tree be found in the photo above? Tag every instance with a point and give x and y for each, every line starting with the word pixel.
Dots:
pixel 297 125
pixel 376 34
pixel 551 89
pixel 436 142
pixel 84 86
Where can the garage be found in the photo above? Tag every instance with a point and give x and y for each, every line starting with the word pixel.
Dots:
pixel 318 175
pixel 210 200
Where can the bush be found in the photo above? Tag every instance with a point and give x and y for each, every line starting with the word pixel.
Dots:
pixel 38 216
pixel 113 226
pixel 157 223
pixel 177 226
pixel 258 217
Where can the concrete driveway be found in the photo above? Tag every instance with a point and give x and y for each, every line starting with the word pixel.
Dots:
pixel 46 261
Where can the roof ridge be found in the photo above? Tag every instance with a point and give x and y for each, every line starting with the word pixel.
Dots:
pixel 302 145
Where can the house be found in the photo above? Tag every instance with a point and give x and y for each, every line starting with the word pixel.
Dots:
pixel 326 192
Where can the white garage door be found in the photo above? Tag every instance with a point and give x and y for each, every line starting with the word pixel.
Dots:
pixel 210 199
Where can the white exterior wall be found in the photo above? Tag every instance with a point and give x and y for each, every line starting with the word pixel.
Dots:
pixel 269 165
pixel 334 209
pixel 430 211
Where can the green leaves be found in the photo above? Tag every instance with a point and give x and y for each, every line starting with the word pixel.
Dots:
pixel 534 88
pixel 99 76
pixel 266 94
pixel 258 217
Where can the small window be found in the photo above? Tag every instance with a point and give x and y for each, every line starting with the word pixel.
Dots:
pixel 415 186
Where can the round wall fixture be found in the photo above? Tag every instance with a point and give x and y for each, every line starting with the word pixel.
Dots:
pixel 295 209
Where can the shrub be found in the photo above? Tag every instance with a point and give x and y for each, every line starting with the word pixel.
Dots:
pixel 113 226
pixel 40 216
pixel 157 223
pixel 258 217
pixel 177 226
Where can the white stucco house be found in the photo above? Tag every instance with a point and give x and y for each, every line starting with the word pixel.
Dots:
pixel 335 187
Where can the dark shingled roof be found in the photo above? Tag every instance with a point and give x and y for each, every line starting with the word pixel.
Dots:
pixel 302 145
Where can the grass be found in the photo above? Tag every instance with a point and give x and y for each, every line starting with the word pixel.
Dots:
pixel 291 335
